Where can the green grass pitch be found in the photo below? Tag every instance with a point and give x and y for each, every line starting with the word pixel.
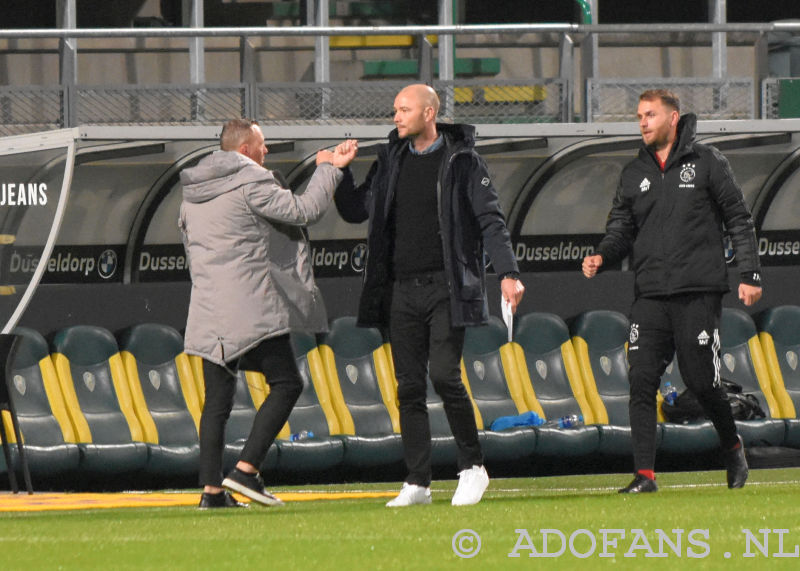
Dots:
pixel 693 522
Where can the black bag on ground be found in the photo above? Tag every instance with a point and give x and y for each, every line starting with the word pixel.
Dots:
pixel 687 408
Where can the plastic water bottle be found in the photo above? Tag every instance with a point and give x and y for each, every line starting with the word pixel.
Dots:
pixel 570 421
pixel 670 393
pixel 302 435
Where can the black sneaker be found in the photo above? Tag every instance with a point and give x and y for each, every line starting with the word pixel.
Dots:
pixel 251 486
pixel 736 463
pixel 219 500
pixel 641 484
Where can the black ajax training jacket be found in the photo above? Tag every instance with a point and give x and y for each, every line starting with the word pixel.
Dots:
pixel 671 223
pixel 470 219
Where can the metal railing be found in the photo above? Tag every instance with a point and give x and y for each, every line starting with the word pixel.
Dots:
pixel 66 103
pixel 708 98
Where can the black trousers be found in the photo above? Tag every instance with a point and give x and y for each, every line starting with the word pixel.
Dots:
pixel 424 343
pixel 689 325
pixel 274 358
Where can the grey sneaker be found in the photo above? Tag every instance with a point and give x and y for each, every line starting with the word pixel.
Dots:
pixel 409 495
pixel 472 482
pixel 251 486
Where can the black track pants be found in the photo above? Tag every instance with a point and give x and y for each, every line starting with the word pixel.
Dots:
pixel 689 324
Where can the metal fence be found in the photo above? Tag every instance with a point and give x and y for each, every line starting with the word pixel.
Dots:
pixel 31 109
pixel 370 103
pixel 484 100
pixel 25 110
pixel 617 99
pixel 202 104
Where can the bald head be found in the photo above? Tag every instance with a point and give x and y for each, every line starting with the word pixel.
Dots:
pixel 415 110
pixel 423 94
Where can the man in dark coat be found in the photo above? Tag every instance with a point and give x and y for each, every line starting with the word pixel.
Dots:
pixel 668 215
pixel 432 211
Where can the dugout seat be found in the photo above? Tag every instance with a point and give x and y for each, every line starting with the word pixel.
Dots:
pixel 165 397
pixel 600 339
pixel 779 335
pixel 98 398
pixel 248 396
pixel 444 451
pixel 362 392
pixel 47 432
pixel 552 384
pixel 491 377
pixel 743 362
pixel 691 438
pixel 313 412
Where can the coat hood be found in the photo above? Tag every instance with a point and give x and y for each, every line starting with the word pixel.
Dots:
pixel 684 140
pixel 218 173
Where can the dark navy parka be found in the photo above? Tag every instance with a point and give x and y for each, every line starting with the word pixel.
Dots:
pixel 470 219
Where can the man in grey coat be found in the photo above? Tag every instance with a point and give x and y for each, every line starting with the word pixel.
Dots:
pixel 252 283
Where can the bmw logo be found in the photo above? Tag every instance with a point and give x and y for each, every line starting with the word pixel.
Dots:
pixel 358 257
pixel 107 264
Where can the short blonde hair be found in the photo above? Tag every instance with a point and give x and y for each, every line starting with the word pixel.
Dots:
pixel 666 96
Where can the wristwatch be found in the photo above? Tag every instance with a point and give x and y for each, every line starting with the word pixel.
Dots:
pixel 512 275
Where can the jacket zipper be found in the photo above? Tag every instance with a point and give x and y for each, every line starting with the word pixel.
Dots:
pixel 445 168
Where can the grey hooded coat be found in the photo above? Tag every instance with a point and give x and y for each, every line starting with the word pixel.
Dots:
pixel 248 257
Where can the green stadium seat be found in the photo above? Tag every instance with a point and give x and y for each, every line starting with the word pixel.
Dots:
pixel 443 445
pixel 779 335
pixel 490 375
pixel 401 67
pixel 313 412
pixel 47 432
pixel 552 383
pixel 362 390
pixel 98 398
pixel 743 362
pixel 692 438
pixel 250 393
pixel 600 340
pixel 164 396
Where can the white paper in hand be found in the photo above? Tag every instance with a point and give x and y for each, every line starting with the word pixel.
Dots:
pixel 508 317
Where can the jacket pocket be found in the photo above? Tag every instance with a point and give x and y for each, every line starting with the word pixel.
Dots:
pixel 471 282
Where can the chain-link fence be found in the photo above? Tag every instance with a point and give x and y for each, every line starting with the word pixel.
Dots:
pixel 478 101
pixel 30 109
pixel 370 103
pixel 200 104
pixel 617 99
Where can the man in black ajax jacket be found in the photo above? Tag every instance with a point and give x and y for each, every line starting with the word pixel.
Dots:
pixel 668 216
pixel 432 211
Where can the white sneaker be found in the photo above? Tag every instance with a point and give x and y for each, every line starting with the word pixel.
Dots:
pixel 409 495
pixel 472 482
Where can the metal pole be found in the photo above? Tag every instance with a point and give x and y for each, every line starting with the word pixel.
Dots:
pixel 717 11
pixel 762 72
pixel 566 71
pixel 68 61
pixel 425 59
pixel 589 65
pixel 447 56
pixel 322 55
pixel 319 15
pixel 197 63
pixel 247 75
